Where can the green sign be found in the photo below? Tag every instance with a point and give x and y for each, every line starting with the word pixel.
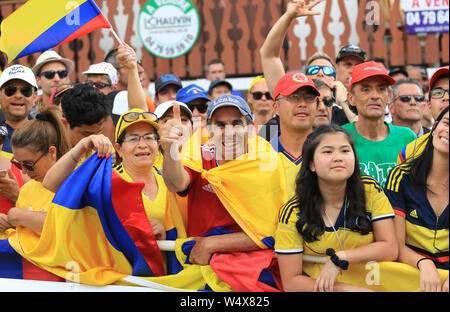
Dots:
pixel 169 28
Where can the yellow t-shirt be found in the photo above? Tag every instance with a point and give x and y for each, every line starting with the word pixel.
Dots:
pixel 155 209
pixel 34 196
pixel 289 241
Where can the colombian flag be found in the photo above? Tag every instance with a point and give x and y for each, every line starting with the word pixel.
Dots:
pixel 39 25
pixel 96 231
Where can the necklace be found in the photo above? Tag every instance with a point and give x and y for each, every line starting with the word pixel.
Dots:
pixel 334 229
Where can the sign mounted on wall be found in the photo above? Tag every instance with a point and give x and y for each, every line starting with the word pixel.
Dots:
pixel 169 28
pixel 425 16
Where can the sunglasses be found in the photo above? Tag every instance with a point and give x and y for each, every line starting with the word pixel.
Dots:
pixel 51 74
pixel 314 70
pixel 98 84
pixel 328 102
pixel 407 98
pixel 11 90
pixel 257 95
pixel 202 108
pixel 295 98
pixel 438 93
pixel 133 116
pixel 28 167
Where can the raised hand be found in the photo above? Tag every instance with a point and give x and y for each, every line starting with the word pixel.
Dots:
pixel 172 133
pixel 299 8
pixel 126 56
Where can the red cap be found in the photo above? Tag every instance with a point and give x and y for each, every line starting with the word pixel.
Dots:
pixel 437 74
pixel 369 69
pixel 291 82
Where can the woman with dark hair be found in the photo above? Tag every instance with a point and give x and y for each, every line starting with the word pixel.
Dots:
pixel 418 191
pixel 334 212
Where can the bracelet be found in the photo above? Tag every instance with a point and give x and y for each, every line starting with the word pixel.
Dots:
pixel 418 261
pixel 343 264
pixel 73 157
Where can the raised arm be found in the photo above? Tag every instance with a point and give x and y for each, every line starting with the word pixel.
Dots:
pixel 59 172
pixel 270 51
pixel 175 176
pixel 126 57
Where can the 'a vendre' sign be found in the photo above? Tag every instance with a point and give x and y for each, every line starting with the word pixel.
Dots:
pixel 168 28
pixel 425 16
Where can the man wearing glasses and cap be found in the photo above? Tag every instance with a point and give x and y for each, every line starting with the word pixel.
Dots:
pixel 51 71
pixel 18 93
pixel 348 57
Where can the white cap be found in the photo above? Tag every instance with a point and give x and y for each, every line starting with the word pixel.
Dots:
pixel 18 72
pixel 103 68
pixel 162 108
pixel 51 56
pixel 120 104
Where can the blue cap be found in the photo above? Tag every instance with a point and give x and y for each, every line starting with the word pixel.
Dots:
pixel 190 93
pixel 165 80
pixel 219 82
pixel 229 100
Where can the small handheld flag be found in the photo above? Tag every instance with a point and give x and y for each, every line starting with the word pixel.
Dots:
pixel 39 25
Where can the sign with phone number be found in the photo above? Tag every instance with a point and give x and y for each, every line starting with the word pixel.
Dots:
pixel 426 16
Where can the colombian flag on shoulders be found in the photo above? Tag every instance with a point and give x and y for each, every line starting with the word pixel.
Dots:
pixel 39 25
pixel 96 231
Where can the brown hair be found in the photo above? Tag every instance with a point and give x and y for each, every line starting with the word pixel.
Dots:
pixel 44 131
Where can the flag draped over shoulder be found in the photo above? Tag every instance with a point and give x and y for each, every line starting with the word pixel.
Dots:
pixel 39 25
pixel 252 187
pixel 96 231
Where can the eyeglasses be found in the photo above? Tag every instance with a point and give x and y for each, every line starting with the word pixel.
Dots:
pixel 202 108
pixel 98 84
pixel 407 98
pixel 438 93
pixel 24 165
pixel 257 95
pixel 134 138
pixel 295 98
pixel 51 74
pixel 314 70
pixel 11 90
pixel 328 102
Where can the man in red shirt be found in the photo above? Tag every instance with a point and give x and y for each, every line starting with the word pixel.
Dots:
pixel 229 120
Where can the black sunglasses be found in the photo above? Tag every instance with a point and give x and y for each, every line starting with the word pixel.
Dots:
pixel 438 93
pixel 98 84
pixel 11 90
pixel 257 95
pixel 328 102
pixel 202 108
pixel 28 167
pixel 50 74
pixel 407 98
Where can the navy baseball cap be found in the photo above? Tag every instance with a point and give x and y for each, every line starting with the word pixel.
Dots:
pixel 219 82
pixel 165 80
pixel 228 100
pixel 190 93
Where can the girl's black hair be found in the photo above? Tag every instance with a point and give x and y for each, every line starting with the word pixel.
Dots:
pixel 420 167
pixel 307 193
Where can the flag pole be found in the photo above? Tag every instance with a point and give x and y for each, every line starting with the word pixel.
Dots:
pixel 116 36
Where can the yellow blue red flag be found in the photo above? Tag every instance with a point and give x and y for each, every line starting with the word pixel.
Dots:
pixel 96 231
pixel 39 25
